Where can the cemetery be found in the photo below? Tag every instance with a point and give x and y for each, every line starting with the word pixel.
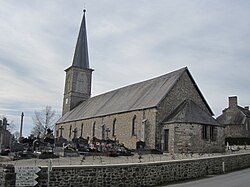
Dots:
pixel 50 147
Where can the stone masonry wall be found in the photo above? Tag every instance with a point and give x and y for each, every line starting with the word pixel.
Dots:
pixel 183 89
pixel 141 174
pixel 123 127
pixel 187 137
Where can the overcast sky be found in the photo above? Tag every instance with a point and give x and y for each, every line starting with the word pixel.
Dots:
pixel 129 41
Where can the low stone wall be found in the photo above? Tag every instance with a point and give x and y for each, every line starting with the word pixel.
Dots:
pixel 141 174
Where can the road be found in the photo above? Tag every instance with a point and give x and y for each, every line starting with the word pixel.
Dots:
pixel 235 179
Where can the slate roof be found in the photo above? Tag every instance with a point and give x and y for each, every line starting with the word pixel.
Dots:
pixel 142 95
pixel 81 58
pixel 237 117
pixel 189 112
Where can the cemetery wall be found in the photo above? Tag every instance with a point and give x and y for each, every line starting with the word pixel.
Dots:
pixel 140 174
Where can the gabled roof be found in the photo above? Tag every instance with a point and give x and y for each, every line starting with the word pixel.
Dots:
pixel 245 111
pixel 81 58
pixel 234 118
pixel 142 95
pixel 189 112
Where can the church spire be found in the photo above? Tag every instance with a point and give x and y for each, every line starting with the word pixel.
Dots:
pixel 81 58
pixel 78 76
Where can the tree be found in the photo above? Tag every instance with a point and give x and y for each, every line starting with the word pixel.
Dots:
pixel 43 120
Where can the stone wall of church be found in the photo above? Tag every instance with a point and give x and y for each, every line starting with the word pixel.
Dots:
pixel 123 127
pixel 77 87
pixel 188 138
pixel 183 89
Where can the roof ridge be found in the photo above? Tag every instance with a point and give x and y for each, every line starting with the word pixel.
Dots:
pixel 142 82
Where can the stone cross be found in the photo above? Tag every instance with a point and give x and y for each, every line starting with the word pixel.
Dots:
pixel 61 129
pixel 107 131
pixel 75 132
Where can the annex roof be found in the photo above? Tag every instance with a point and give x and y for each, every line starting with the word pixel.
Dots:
pixel 189 112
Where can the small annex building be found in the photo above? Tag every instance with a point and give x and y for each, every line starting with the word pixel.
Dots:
pixel 236 120
pixel 167 113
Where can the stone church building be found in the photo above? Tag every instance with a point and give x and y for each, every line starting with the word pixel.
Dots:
pixel 167 113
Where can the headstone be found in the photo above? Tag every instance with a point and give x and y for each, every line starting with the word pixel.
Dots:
pixel 59 142
pixel 140 145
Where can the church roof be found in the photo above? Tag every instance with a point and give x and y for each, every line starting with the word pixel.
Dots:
pixel 142 95
pixel 189 112
pixel 81 58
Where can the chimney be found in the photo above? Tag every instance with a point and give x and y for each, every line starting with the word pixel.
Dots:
pixel 247 107
pixel 233 102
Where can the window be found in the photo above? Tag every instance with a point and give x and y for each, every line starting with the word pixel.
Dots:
pixel 103 131
pixel 82 130
pixel 204 132
pixel 134 125
pixel 93 129
pixel 113 129
pixel 70 129
pixel 213 133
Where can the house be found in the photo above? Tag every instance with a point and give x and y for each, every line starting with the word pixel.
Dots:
pixel 236 120
pixel 167 113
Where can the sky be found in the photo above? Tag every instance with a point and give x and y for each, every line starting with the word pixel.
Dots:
pixel 129 41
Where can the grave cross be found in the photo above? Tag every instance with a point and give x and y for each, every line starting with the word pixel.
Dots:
pixel 61 129
pixel 107 131
pixel 75 132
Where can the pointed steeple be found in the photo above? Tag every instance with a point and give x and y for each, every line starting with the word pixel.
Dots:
pixel 78 76
pixel 81 58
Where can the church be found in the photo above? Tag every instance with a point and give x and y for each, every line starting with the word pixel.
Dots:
pixel 166 113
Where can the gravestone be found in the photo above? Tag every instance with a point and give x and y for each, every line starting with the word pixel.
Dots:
pixel 60 141
pixel 140 145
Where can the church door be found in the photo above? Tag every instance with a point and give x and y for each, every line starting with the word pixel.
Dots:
pixel 166 137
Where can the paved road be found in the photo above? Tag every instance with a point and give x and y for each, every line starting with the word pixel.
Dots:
pixel 234 179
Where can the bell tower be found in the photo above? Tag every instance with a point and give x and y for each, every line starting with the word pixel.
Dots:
pixel 78 76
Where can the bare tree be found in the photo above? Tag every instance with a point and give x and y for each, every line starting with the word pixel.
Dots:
pixel 43 120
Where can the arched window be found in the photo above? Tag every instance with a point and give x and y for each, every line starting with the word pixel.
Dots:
pixel 134 125
pixel 113 129
pixel 103 131
pixel 70 129
pixel 93 130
